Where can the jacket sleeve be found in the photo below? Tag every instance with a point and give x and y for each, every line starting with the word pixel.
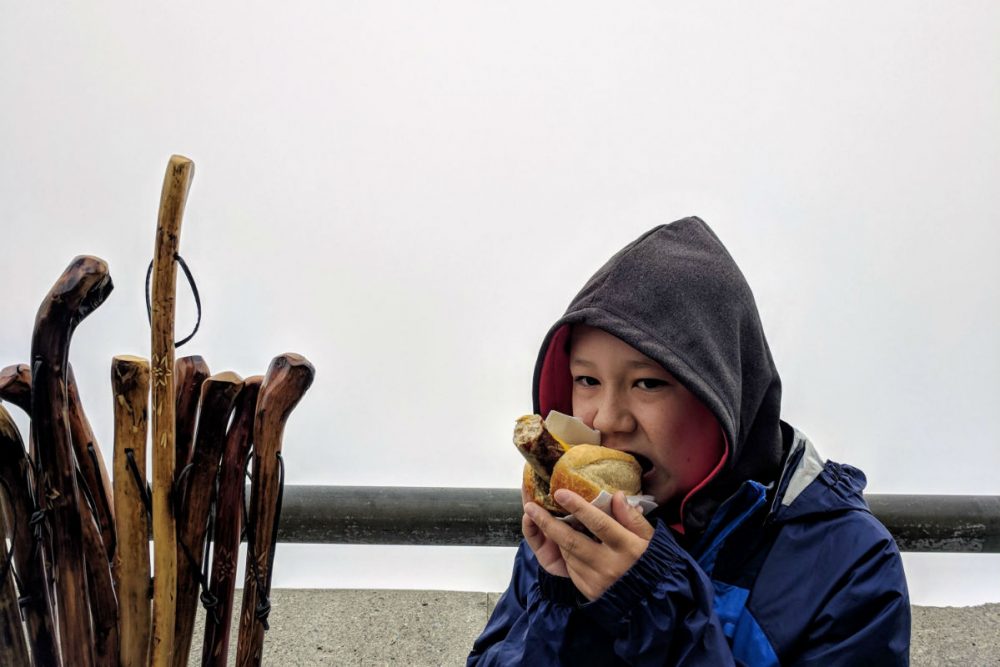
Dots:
pixel 867 619
pixel 659 613
pixel 530 621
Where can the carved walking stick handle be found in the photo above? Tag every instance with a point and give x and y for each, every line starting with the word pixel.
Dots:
pixel 82 288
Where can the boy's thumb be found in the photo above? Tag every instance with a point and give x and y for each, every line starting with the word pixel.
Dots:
pixel 631 517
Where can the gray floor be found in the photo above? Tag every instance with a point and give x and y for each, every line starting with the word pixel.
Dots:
pixel 344 627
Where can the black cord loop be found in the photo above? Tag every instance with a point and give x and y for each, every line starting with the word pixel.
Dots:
pixel 145 493
pixel 194 291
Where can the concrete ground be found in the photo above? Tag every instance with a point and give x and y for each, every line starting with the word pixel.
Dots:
pixel 372 627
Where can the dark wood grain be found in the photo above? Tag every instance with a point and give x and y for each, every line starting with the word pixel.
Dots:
pixel 228 523
pixel 83 286
pixel 189 374
pixel 287 379
pixel 218 394
pixel 15 471
pixel 91 462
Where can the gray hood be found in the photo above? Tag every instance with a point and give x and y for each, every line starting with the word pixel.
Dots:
pixel 676 295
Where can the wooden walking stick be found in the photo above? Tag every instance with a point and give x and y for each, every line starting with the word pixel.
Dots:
pixel 286 381
pixel 197 484
pixel 13 649
pixel 15 475
pixel 228 521
pixel 130 384
pixel 15 386
pixel 91 463
pixel 81 289
pixel 94 506
pixel 189 374
pixel 173 197
pixel 103 602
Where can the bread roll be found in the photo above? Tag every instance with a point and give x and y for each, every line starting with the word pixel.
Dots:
pixel 589 469
pixel 585 470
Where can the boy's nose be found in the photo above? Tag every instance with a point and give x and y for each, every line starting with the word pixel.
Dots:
pixel 613 416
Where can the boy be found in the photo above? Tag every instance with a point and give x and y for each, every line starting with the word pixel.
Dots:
pixel 759 552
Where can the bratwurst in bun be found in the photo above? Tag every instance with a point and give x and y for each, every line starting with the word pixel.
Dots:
pixel 585 469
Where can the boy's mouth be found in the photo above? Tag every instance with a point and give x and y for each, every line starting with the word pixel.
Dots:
pixel 644 462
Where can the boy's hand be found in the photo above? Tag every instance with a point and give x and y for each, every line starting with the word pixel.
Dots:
pixel 592 564
pixel 546 551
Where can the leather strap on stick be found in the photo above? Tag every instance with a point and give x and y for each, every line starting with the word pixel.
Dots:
pixel 176 183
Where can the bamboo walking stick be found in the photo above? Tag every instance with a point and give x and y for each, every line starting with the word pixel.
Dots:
pixel 189 374
pixel 176 183
pixel 81 289
pixel 16 476
pixel 218 394
pixel 228 521
pixel 286 381
pixel 91 463
pixel 130 384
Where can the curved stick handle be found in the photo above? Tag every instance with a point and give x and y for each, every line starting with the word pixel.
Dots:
pixel 176 183
pixel 15 386
pixel 83 286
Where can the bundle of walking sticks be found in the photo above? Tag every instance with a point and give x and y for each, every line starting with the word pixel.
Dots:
pixel 76 582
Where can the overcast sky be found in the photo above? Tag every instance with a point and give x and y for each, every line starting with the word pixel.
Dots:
pixel 409 193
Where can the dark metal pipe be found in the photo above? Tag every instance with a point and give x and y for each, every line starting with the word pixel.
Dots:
pixel 492 517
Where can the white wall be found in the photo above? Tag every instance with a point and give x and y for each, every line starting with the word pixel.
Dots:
pixel 410 193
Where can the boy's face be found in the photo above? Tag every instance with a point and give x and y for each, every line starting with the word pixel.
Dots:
pixel 640 408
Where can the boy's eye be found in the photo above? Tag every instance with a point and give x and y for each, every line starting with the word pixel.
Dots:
pixel 586 381
pixel 651 383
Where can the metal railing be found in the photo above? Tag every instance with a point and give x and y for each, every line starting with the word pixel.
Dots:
pixel 492 517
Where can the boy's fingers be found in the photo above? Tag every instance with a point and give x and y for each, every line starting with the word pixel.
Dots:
pixel 557 531
pixel 528 528
pixel 605 528
pixel 631 517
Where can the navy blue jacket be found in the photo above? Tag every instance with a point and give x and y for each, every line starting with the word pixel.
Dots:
pixel 803 575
